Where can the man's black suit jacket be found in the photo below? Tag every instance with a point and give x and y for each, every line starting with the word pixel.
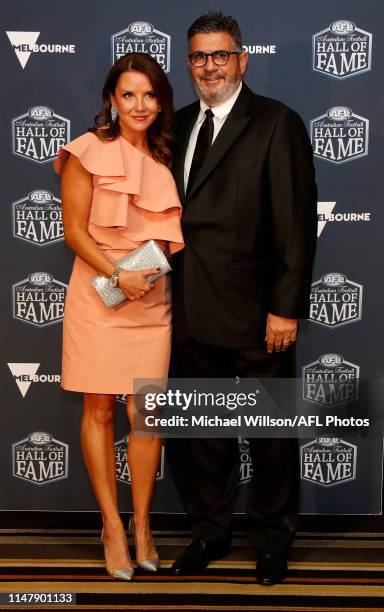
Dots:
pixel 249 225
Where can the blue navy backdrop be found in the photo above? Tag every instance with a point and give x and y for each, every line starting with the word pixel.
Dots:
pixel 324 60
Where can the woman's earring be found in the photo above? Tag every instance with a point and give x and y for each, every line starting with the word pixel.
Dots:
pixel 159 109
pixel 114 113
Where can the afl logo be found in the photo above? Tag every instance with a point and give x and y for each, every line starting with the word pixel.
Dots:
pixel 342 26
pixel 140 28
pixel 334 279
pixel 330 380
pixel 328 441
pixel 37 218
pixel 142 37
pixel 340 135
pixel 331 359
pixel 38 134
pixel 40 459
pixel 328 461
pixel 39 437
pixel 41 196
pixel 41 113
pixel 342 50
pixel 335 300
pixel 39 299
pixel 339 112
pixel 40 278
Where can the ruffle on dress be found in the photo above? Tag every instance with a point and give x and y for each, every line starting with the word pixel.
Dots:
pixel 132 191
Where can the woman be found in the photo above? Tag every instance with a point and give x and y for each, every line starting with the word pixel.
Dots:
pixel 118 192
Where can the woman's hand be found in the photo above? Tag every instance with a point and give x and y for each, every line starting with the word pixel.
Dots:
pixel 135 284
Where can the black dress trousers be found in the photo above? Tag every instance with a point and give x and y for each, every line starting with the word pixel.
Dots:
pixel 272 502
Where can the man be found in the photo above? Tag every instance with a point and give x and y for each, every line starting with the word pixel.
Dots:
pixel 244 169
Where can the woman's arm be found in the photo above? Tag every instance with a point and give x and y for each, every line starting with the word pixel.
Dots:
pixel 76 194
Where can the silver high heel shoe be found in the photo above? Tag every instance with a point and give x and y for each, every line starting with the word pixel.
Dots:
pixel 121 573
pixel 151 565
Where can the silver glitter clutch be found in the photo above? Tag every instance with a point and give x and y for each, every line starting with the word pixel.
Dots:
pixel 148 255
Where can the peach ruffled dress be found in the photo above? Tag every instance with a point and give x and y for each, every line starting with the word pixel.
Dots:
pixel 134 200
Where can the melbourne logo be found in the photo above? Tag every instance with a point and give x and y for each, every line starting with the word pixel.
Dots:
pixel 37 218
pixel 330 380
pixel 339 135
pixel 142 37
pixel 246 467
pixel 328 461
pixel 39 133
pixel 342 50
pixel 25 43
pixel 26 373
pixel 39 299
pixel 325 213
pixel 324 210
pixel 335 300
pixel 40 458
pixel 260 49
pixel 122 469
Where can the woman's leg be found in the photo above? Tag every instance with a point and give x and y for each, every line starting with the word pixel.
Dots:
pixel 97 439
pixel 143 460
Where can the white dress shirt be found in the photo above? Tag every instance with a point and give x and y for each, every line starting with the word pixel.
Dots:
pixel 220 113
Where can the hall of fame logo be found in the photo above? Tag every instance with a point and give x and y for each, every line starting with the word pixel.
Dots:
pixel 335 300
pixel 328 461
pixel 37 218
pixel 25 374
pixel 39 299
pixel 330 380
pixel 38 134
pixel 339 135
pixel 142 37
pixel 40 459
pixel 122 470
pixel 246 467
pixel 342 50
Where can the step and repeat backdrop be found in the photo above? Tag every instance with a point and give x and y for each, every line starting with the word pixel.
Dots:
pixel 324 59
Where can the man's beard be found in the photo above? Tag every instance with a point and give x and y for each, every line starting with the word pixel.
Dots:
pixel 216 96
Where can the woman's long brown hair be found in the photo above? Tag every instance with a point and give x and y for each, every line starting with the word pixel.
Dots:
pixel 160 132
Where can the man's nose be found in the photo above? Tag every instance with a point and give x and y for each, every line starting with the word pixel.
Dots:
pixel 210 65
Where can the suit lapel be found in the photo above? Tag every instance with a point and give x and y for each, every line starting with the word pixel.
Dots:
pixel 235 123
pixel 183 134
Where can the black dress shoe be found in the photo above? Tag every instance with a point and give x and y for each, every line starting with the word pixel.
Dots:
pixel 197 555
pixel 271 567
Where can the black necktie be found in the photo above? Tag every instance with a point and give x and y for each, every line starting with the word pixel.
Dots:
pixel 204 140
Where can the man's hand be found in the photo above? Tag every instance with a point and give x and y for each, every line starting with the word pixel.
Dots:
pixel 280 333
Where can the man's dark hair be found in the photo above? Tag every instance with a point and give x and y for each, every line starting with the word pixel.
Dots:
pixel 217 22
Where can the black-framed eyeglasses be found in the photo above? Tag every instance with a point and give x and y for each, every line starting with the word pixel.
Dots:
pixel 219 57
